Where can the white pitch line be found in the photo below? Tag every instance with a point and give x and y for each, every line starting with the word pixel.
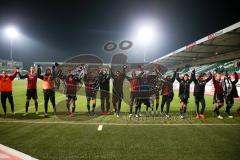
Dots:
pixel 100 127
pixel 123 124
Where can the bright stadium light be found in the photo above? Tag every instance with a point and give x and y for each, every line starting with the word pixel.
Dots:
pixel 145 34
pixel 12 34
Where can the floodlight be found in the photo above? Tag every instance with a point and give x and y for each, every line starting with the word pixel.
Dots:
pixel 11 32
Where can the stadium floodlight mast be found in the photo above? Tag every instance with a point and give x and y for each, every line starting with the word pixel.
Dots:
pixel 11 33
pixel 145 35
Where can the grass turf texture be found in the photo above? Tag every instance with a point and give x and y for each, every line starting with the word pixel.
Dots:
pixel 77 137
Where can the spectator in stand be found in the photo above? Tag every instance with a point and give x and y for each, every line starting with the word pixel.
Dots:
pixel 222 69
pixel 235 65
pixel 238 64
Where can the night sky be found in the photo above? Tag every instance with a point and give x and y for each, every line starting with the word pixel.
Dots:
pixel 56 30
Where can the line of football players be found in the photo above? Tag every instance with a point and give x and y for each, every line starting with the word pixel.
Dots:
pixel 144 89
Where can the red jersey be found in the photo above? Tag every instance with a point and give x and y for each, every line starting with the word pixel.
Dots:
pixel 91 84
pixel 134 84
pixel 31 80
pixel 218 89
pixel 71 85
pixel 89 87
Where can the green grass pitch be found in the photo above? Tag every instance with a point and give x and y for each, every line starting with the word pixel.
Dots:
pixel 70 138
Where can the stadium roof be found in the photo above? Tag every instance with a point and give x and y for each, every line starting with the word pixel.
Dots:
pixel 219 46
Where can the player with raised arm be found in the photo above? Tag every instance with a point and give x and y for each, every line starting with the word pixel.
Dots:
pixel 155 84
pixel 230 92
pixel 184 89
pixel 31 88
pixel 144 95
pixel 118 78
pixel 134 81
pixel 72 82
pixel 104 82
pixel 199 90
pixel 91 83
pixel 167 92
pixel 218 94
pixel 48 88
pixel 6 89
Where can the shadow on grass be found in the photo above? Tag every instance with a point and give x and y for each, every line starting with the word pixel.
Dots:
pixel 21 116
pixel 146 117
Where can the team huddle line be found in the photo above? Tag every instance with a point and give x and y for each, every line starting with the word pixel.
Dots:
pixel 145 88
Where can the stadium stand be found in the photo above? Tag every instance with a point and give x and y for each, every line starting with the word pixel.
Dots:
pixel 221 46
pixel 10 64
pixel 219 52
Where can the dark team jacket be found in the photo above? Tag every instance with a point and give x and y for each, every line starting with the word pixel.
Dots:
pixel 184 86
pixel 104 82
pixel 199 85
pixel 118 83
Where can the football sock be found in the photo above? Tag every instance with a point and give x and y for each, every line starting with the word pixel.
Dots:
pixel 54 109
pixel 68 106
pixel 228 110
pixel 157 104
pixel 27 105
pixel 184 109
pixel 131 109
pixel 46 107
pixel 73 109
pixel 136 109
pixel 181 111
pixel 93 107
pixel 197 107
pixel 36 105
pixel 216 110
pixel 119 106
pixel 88 108
pixel 168 107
